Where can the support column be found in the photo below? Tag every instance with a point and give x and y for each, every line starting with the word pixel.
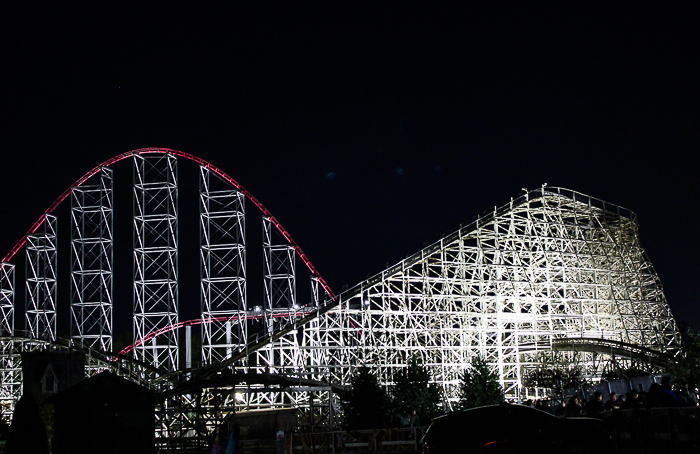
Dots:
pixel 91 263
pixel 222 268
pixel 10 359
pixel 280 298
pixel 279 272
pixel 40 303
pixel 156 258
pixel 7 299
pixel 315 354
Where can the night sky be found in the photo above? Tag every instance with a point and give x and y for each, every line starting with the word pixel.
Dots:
pixel 368 131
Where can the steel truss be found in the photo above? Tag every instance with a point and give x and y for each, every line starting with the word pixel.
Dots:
pixel 280 301
pixel 280 270
pixel 552 264
pixel 155 258
pixel 312 338
pixel 317 404
pixel 91 263
pixel 223 269
pixel 10 361
pixel 40 300
pixel 11 376
pixel 281 308
pixel 7 299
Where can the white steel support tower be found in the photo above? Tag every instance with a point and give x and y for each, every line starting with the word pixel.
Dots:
pixel 7 299
pixel 279 272
pixel 280 299
pixel 91 263
pixel 40 303
pixel 10 361
pixel 280 309
pixel 223 268
pixel 155 258
pixel 317 357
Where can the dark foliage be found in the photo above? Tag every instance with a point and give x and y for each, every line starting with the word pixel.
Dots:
pixel 554 372
pixel 687 366
pixel 479 386
pixel 413 391
pixel 366 403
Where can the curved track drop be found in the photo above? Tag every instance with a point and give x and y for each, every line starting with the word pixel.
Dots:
pixel 213 319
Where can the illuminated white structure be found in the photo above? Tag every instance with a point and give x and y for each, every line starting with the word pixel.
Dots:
pixel 41 277
pixel 223 268
pixel 155 258
pixel 91 263
pixel 7 299
pixel 552 270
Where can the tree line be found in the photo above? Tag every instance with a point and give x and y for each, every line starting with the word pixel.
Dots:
pixel 413 400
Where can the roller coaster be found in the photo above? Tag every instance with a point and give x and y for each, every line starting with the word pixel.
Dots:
pixel 551 271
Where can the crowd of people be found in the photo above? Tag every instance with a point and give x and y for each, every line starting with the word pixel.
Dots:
pixel 658 395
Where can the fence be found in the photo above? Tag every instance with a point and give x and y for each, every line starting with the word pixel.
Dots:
pixel 382 440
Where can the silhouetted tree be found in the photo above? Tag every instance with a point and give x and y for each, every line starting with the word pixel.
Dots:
pixel 365 404
pixel 554 372
pixel 479 386
pixel 687 366
pixel 412 390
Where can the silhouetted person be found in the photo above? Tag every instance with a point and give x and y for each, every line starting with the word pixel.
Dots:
pixel 542 405
pixel 415 420
pixel 621 400
pixel 595 405
pixel 653 397
pixel 612 403
pixel 573 408
pixel 633 401
pixel 583 403
pixel 667 397
pixel 561 409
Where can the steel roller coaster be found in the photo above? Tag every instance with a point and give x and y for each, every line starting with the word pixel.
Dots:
pixel 551 275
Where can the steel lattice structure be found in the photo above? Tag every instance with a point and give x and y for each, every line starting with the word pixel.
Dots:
pixel 7 299
pixel 553 264
pixel 41 279
pixel 280 299
pixel 550 272
pixel 155 258
pixel 223 269
pixel 10 371
pixel 91 263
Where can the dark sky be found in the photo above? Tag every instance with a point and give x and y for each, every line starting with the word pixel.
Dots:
pixel 368 131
